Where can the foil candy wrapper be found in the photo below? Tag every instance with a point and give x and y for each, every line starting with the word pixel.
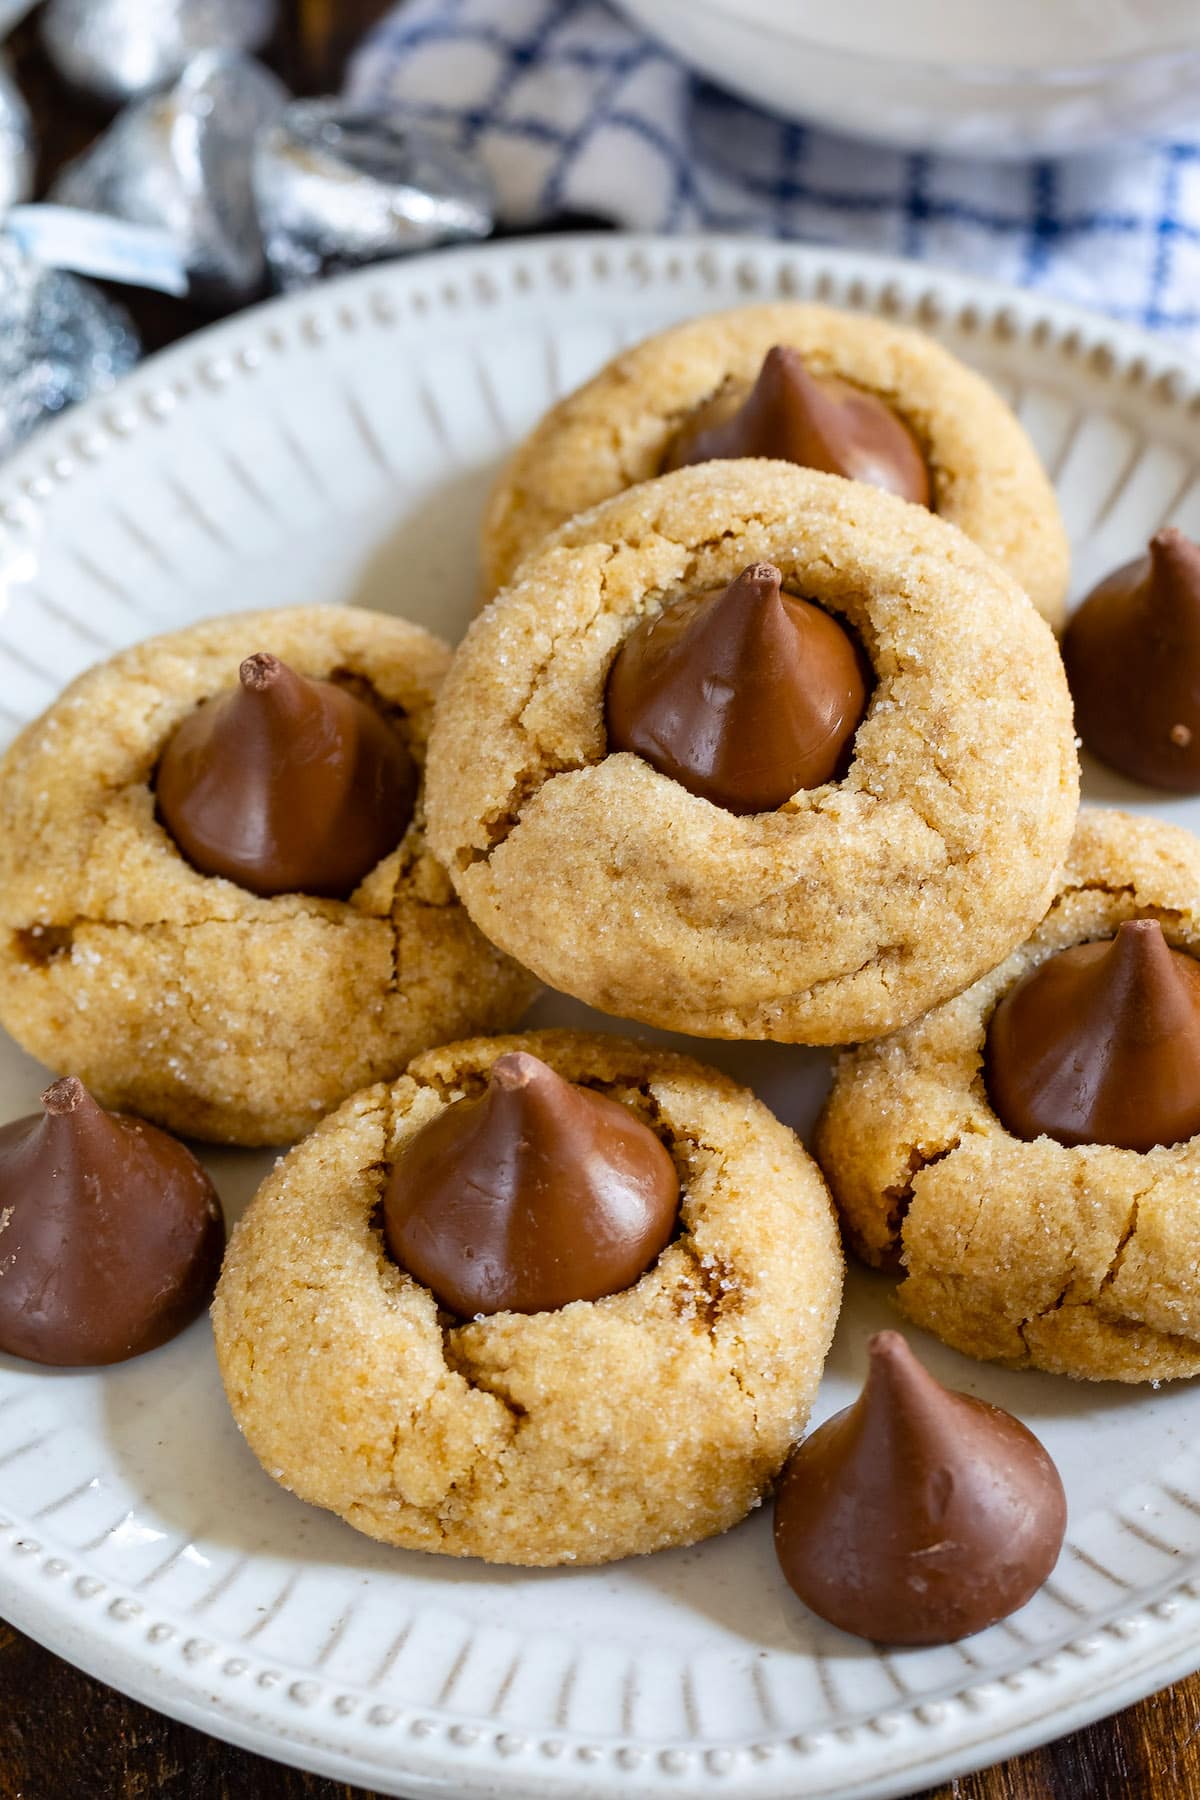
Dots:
pixel 340 184
pixel 63 237
pixel 61 341
pixel 121 49
pixel 16 142
pixel 12 12
pixel 179 162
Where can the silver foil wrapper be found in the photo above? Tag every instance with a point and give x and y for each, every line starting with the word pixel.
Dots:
pixel 180 161
pixel 120 49
pixel 61 340
pixel 340 185
pixel 12 12
pixel 16 142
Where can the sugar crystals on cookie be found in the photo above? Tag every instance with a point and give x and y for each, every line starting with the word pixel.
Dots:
pixel 853 776
pixel 853 396
pixel 572 1295
pixel 218 905
pixel 1028 1153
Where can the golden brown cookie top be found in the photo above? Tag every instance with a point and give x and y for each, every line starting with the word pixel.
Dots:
pixel 652 1416
pixel 619 428
pixel 123 963
pixel 855 904
pixel 1081 1259
pixel 78 780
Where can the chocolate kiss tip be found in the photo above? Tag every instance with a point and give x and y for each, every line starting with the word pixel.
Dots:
pixel 517 1069
pixel 763 574
pixel 1140 950
pixel 892 1360
pixel 260 671
pixel 1171 539
pixel 785 359
pixel 1174 554
pixel 65 1096
pixel 784 369
pixel 781 359
pixel 1129 930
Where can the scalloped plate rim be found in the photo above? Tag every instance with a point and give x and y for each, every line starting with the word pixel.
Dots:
pixel 1170 1647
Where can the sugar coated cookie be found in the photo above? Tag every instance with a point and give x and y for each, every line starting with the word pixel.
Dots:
pixel 219 1010
pixel 651 1416
pixel 631 867
pixel 626 425
pixel 1056 1251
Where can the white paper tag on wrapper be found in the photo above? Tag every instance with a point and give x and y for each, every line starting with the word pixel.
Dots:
pixel 65 237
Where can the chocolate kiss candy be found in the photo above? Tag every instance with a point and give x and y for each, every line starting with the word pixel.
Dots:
pixel 286 785
pixel 1133 660
pixel 744 696
pixel 817 421
pixel 1101 1045
pixel 111 1233
pixel 538 1194
pixel 918 1515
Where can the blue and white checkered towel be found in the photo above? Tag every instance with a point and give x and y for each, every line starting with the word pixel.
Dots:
pixel 573 110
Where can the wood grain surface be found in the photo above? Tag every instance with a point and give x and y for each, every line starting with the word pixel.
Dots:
pixel 64 1736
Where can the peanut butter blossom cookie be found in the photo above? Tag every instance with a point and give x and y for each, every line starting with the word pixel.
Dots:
pixel 572 1297
pixel 750 751
pixel 834 391
pixel 1029 1152
pixel 217 905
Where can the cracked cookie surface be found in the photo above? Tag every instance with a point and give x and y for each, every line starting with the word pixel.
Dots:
pixel 615 431
pixel 609 1428
pixel 1083 1261
pixel 184 997
pixel 857 904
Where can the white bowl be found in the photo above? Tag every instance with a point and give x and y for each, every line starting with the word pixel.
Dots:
pixel 1006 78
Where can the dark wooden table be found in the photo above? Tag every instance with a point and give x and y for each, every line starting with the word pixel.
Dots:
pixel 66 1737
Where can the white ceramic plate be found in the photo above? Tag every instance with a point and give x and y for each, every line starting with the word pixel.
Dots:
pixel 337 447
